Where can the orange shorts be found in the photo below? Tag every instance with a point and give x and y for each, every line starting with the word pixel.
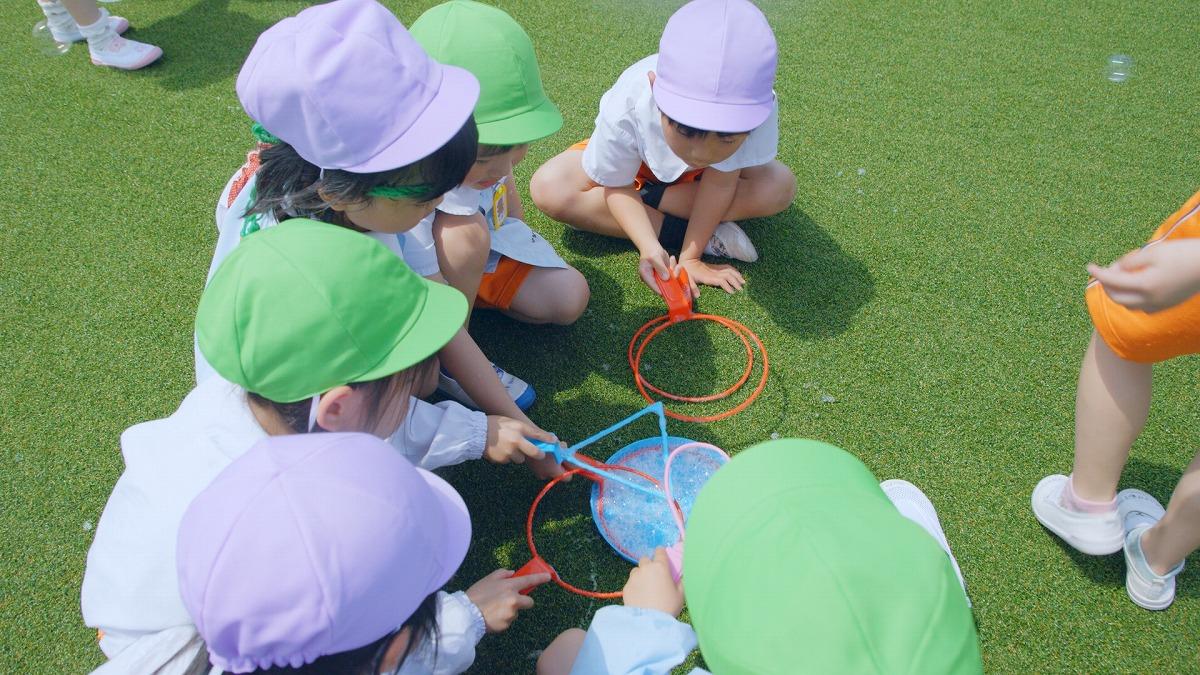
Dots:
pixel 1149 338
pixel 498 288
pixel 645 176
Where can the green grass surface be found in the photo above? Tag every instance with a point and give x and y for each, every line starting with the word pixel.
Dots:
pixel 937 298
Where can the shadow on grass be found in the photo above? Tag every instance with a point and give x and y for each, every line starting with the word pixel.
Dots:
pixel 204 44
pixel 806 282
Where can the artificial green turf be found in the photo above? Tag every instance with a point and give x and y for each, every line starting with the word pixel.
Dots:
pixel 936 298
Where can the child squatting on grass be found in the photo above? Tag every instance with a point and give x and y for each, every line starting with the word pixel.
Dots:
pixel 1145 310
pixel 263 603
pixel 684 145
pixel 367 132
pixel 796 561
pixel 310 327
pixel 484 247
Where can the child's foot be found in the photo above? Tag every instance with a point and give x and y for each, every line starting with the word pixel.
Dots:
pixel 1095 533
pixel 731 241
pixel 63 27
pixel 914 505
pixel 521 392
pixel 1139 512
pixel 110 49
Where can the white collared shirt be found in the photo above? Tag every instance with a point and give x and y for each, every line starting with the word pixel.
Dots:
pixel 629 133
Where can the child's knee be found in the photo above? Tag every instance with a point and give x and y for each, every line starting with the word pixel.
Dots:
pixel 560 655
pixel 780 190
pixel 573 301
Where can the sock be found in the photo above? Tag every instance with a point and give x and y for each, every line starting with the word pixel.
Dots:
pixel 671 234
pixel 99 34
pixel 57 18
pixel 1080 505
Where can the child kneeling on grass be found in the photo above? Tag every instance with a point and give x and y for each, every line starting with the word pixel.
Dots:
pixel 324 554
pixel 521 275
pixel 796 560
pixel 1145 309
pixel 684 145
pixel 362 129
pixel 310 327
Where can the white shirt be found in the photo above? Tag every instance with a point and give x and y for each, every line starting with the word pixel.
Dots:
pixel 629 133
pixel 130 584
pixel 509 236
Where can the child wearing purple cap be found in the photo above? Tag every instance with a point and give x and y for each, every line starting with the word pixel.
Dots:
pixel 684 145
pixel 360 128
pixel 370 603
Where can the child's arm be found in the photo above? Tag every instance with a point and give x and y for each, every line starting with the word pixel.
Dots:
pixel 643 636
pixel 516 208
pixel 466 363
pixel 1153 278
pixel 627 209
pixel 714 194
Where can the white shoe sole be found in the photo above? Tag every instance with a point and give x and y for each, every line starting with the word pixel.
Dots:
pixel 912 503
pixel 151 56
pixel 1045 500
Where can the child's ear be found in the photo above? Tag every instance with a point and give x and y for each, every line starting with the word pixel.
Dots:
pixel 650 76
pixel 333 203
pixel 338 409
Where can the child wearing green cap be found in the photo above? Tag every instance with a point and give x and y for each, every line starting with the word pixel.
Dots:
pixel 684 145
pixel 484 247
pixel 796 561
pixel 367 135
pixel 299 347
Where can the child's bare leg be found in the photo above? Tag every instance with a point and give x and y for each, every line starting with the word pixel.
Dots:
pixel 562 191
pixel 559 657
pixel 85 12
pixel 551 295
pixel 462 249
pixel 1178 533
pixel 1111 406
pixel 761 191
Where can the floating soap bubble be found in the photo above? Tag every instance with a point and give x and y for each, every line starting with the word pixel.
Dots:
pixel 1119 67
pixel 44 40
pixel 862 172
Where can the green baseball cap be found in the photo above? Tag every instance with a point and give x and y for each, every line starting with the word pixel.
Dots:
pixel 513 107
pixel 797 562
pixel 303 307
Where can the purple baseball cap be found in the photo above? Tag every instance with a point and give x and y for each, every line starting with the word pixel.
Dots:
pixel 314 544
pixel 346 86
pixel 716 66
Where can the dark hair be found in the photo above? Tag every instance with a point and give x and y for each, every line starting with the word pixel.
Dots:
pixel 288 185
pixel 486 150
pixel 692 132
pixel 366 660
pixel 295 415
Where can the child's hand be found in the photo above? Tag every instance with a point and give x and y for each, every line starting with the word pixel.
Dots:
pixel 652 586
pixel 656 263
pixel 508 441
pixel 498 597
pixel 725 277
pixel 1154 278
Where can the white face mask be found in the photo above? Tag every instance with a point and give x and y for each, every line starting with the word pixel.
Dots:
pixel 312 412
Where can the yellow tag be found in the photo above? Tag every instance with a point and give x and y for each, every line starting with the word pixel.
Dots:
pixel 500 204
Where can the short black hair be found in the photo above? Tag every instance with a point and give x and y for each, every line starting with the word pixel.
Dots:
pixel 288 185
pixel 486 150
pixel 692 132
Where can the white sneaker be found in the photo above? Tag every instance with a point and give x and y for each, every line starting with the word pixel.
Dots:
pixel 110 49
pixel 731 241
pixel 63 26
pixel 1139 512
pixel 521 392
pixel 1090 533
pixel 914 505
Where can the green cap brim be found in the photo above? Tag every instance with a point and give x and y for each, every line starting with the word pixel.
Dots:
pixel 442 316
pixel 525 127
